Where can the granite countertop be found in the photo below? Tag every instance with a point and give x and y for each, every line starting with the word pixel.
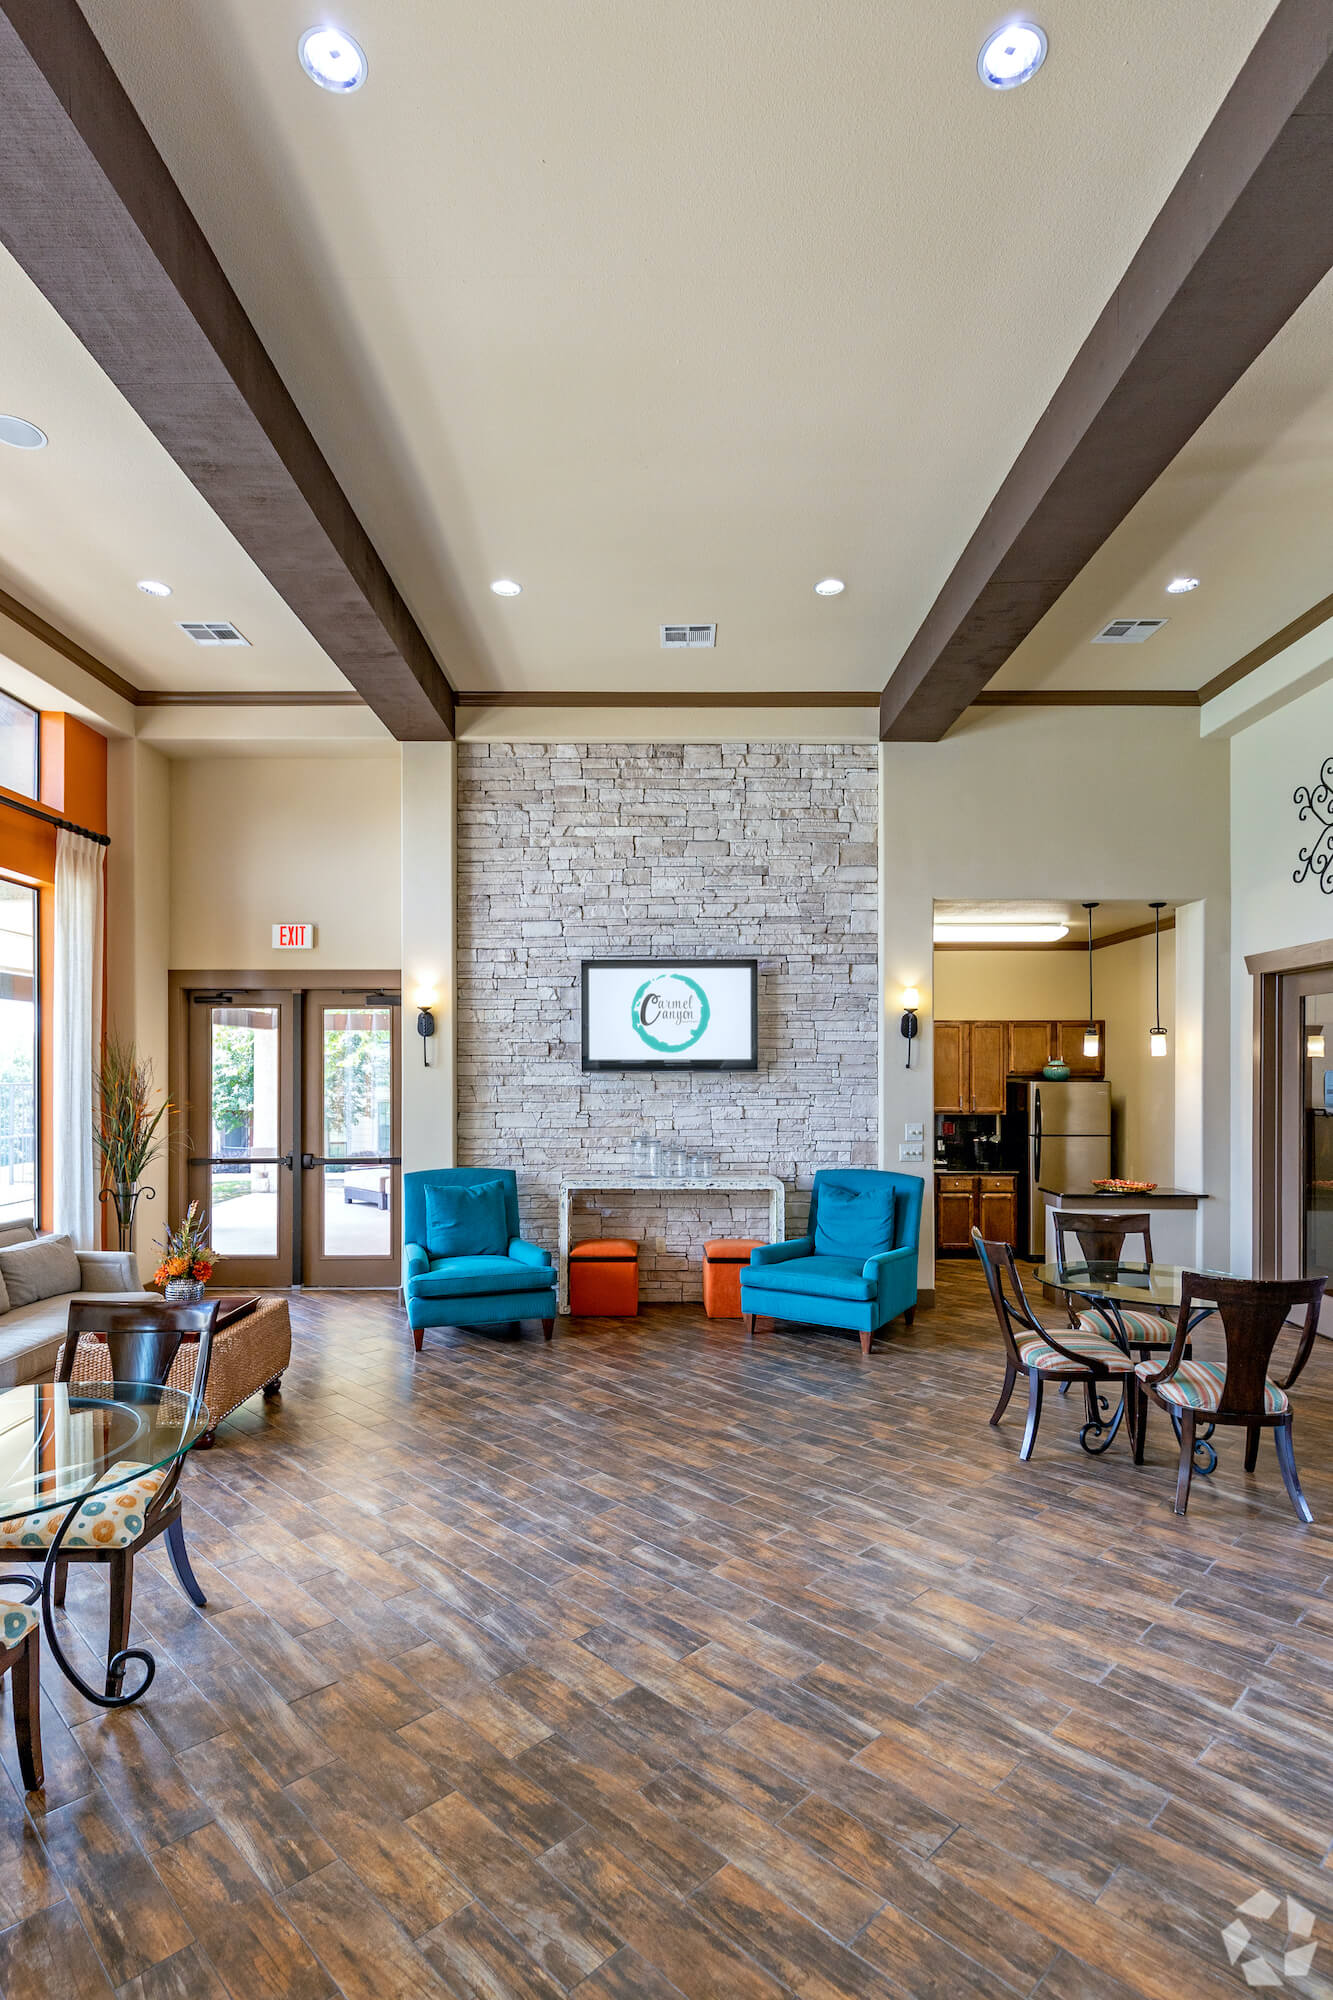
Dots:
pixel 1011 1173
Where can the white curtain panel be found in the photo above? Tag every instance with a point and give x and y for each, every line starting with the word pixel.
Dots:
pixel 77 1030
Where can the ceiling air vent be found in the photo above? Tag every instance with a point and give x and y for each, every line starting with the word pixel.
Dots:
pixel 688 635
pixel 1128 631
pixel 212 632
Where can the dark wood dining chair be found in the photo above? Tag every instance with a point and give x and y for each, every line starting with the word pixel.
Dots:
pixel 1074 1354
pixel 142 1341
pixel 20 1658
pixel 1240 1390
pixel 1101 1239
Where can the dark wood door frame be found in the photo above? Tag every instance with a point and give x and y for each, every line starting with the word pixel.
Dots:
pixel 181 986
pixel 1277 1084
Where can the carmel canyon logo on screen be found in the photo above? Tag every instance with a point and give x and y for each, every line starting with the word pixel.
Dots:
pixel 670 1012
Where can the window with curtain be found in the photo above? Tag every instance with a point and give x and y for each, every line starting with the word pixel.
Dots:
pixel 18 1052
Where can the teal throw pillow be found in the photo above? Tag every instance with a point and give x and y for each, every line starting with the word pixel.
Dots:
pixel 853 1222
pixel 467 1221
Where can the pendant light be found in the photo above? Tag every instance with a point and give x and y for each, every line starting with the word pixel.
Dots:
pixel 1092 1041
pixel 1157 1033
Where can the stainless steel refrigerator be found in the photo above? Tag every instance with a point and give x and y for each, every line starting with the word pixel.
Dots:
pixel 1065 1131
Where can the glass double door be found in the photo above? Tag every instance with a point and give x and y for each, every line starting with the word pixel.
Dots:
pixel 293 1116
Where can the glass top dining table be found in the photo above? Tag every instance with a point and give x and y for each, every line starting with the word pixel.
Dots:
pixel 63 1443
pixel 1129 1284
pixel 64 1447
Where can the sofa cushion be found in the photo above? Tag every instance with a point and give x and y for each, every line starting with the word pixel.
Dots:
pixel 16 1232
pixel 42 1269
pixel 466 1221
pixel 817 1277
pixel 853 1222
pixel 479 1277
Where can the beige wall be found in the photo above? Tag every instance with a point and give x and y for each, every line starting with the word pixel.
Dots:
pixel 257 841
pixel 1143 1086
pixel 1117 804
pixel 1011 985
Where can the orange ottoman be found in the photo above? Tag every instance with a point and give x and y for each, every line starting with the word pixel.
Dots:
pixel 722 1276
pixel 604 1278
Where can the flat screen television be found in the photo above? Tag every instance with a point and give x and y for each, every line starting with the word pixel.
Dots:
pixel 671 1013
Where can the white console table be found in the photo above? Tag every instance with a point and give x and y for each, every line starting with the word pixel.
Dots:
pixel 614 1183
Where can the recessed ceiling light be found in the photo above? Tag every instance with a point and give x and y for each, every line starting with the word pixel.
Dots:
pixel 21 434
pixel 831 586
pixel 1000 933
pixel 332 59
pixel 1180 584
pixel 152 588
pixel 1012 56
pixel 505 586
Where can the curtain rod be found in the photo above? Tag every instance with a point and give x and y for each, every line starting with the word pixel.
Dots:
pixel 53 819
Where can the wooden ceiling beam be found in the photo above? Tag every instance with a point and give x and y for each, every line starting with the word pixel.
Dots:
pixel 91 213
pixel 1242 240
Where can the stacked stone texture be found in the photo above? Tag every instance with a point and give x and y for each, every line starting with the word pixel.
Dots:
pixel 571 851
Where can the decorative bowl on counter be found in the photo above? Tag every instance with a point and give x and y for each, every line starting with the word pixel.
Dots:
pixel 1124 1187
pixel 1056 1072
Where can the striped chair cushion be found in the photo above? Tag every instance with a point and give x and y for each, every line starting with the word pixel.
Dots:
pixel 1034 1352
pixel 1142 1329
pixel 17 1620
pixel 112 1519
pixel 1197 1385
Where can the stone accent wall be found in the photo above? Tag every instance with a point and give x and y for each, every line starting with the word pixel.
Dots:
pixel 570 851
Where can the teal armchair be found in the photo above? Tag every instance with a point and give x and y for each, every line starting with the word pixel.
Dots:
pixel 856 1266
pixel 464 1262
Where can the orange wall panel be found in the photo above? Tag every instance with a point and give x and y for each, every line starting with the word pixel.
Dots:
pixel 73 770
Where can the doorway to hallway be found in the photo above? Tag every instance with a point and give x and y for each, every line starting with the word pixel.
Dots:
pixel 291 1123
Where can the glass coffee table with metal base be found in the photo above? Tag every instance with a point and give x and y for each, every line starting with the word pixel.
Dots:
pixel 1111 1287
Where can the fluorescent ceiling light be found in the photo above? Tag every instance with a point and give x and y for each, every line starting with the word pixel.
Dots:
pixel 332 59
pixel 1012 56
pixel 152 588
pixel 1180 585
pixel 504 586
pixel 831 586
pixel 1000 933
pixel 21 434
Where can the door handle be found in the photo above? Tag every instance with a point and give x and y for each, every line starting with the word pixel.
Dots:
pixel 285 1160
pixel 307 1160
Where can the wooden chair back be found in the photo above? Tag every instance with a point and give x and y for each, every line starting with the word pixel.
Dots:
pixel 142 1341
pixel 1253 1312
pixel 1100 1238
pixel 1001 1272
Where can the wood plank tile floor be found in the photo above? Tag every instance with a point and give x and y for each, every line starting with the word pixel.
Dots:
pixel 654 1664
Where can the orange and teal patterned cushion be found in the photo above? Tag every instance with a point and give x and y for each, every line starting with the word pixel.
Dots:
pixel 1142 1329
pixel 1197 1385
pixel 1035 1353
pixel 16 1621
pixel 112 1519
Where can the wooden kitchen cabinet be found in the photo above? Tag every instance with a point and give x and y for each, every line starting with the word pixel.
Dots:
pixel 989 1062
pixel 1030 1046
pixel 955 1205
pixel 1069 1048
pixel 970 1065
pixel 997 1208
pixel 952 1068
pixel 988 1202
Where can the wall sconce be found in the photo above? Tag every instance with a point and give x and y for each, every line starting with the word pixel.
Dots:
pixel 1314 1044
pixel 909 1025
pixel 425 1005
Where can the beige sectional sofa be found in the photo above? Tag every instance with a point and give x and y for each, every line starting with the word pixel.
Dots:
pixel 33 1318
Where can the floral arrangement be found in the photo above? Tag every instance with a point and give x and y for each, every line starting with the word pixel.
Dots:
pixel 186 1252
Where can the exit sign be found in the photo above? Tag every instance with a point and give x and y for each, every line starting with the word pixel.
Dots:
pixel 293 937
